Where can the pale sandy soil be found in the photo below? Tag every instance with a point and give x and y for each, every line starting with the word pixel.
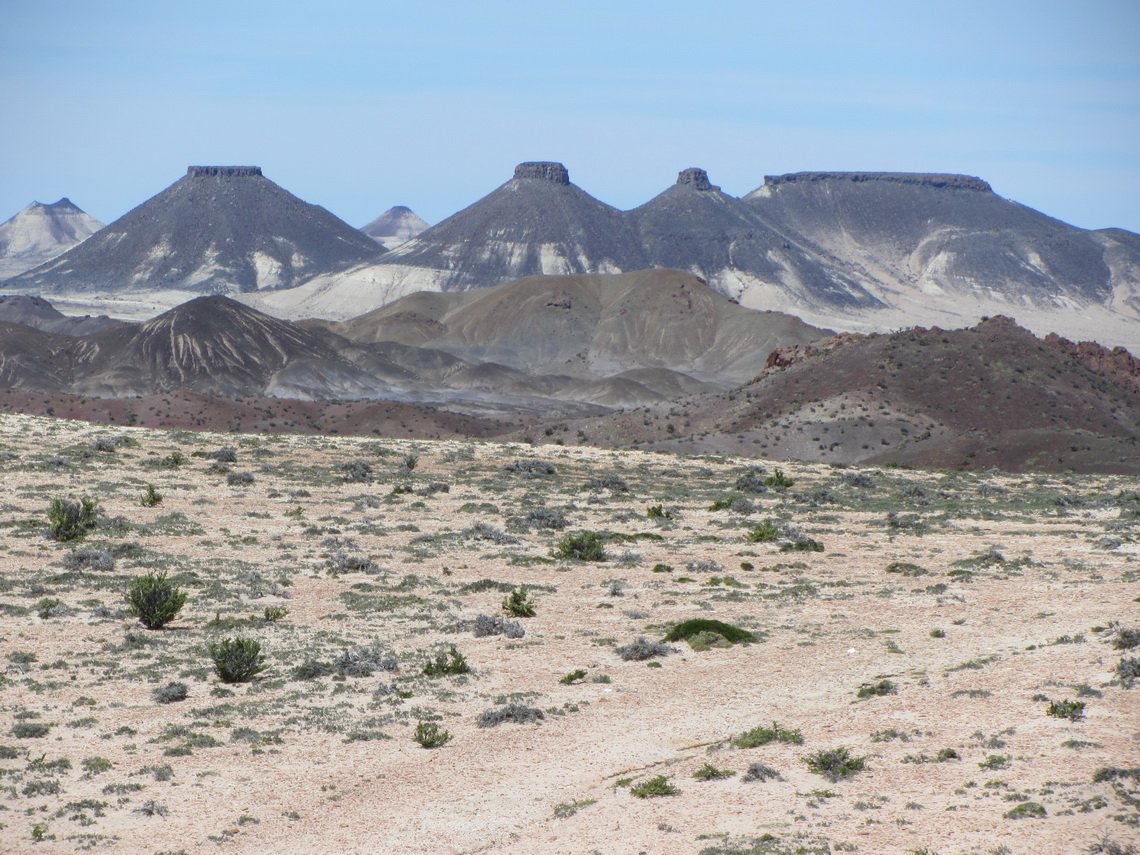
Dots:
pixel 312 781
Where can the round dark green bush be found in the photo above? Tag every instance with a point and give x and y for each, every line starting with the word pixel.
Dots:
pixel 154 599
pixel 582 546
pixel 237 660
pixel 687 629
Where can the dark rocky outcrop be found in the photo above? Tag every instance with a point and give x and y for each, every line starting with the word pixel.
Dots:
pixel 543 170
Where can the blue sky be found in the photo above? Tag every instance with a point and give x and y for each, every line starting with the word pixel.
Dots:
pixel 358 106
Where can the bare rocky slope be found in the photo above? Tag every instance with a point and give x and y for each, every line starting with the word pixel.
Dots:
pixel 41 232
pixel 39 313
pixel 549 346
pixel 219 229
pixel 591 325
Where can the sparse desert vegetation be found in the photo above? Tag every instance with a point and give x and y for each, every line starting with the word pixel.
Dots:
pixel 256 663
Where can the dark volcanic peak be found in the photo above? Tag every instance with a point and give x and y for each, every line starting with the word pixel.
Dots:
pixel 218 229
pixel 536 223
pixel 217 346
pixel 958 182
pixel 543 170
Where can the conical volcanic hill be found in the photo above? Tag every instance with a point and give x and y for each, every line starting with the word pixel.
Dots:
pixel 694 226
pixel 219 229
pixel 395 226
pixel 538 222
pixel 217 346
pixel 41 232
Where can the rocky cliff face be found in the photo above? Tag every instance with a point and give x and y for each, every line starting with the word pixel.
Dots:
pixel 219 229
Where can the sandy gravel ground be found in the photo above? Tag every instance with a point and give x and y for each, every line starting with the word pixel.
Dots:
pixel 1025 582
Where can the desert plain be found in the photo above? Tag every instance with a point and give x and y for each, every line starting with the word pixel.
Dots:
pixel 940 661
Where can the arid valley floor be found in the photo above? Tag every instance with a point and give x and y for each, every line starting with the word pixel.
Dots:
pixel 947 615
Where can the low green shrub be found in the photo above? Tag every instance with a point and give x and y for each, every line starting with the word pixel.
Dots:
pixel 70 520
pixel 802 544
pixel 154 599
pixel 447 664
pixel 1025 810
pixel 581 546
pixel 778 480
pixel 1072 710
pixel 872 690
pixel 765 532
pixel 762 735
pixel 686 630
pixel 835 763
pixel 656 786
pixel 237 660
pixel 151 498
pixel 429 735
pixel 30 729
pixel 905 568
pixel 517 604
pixel 575 676
pixel 709 772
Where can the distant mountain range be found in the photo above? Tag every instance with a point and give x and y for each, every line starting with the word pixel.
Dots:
pixel 852 251
pixel 855 251
pixel 41 232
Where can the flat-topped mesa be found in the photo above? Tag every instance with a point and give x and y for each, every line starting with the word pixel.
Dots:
pixel 544 170
pixel 696 178
pixel 955 182
pixel 224 171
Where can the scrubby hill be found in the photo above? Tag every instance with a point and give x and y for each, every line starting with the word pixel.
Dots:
pixel 990 396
